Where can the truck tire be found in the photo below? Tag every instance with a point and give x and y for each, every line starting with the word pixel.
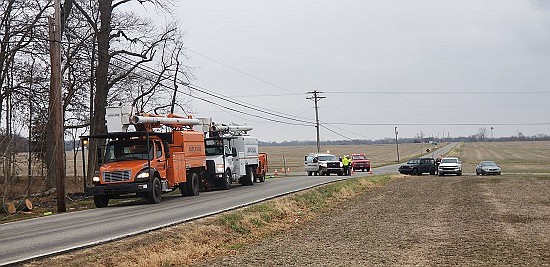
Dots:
pixel 309 173
pixel 432 171
pixel 183 189
pixel 155 194
pixel 249 178
pixel 226 180
pixel 192 185
pixel 101 201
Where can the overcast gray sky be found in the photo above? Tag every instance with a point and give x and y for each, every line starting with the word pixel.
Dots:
pixel 417 65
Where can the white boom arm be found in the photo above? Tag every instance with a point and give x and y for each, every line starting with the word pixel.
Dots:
pixel 164 120
pixel 232 128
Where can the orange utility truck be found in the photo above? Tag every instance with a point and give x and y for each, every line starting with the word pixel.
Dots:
pixel 262 169
pixel 163 154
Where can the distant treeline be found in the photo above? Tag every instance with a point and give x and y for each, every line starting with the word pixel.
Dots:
pixel 473 138
pixel 21 144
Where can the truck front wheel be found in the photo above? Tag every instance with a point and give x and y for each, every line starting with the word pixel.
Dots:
pixel 101 201
pixel 156 191
pixel 226 180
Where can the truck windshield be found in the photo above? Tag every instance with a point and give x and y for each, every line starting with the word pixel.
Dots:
pixel 358 157
pixel 128 150
pixel 214 150
pixel 328 158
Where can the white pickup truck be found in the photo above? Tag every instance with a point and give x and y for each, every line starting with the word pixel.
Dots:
pixel 450 166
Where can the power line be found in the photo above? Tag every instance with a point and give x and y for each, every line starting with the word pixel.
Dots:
pixel 242 72
pixel 219 96
pixel 437 124
pixel 439 92
pixel 304 123
pixel 236 102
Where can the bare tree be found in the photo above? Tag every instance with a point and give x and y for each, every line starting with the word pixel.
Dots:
pixel 482 133
pixel 110 56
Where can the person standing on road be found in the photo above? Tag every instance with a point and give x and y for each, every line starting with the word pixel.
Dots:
pixel 345 164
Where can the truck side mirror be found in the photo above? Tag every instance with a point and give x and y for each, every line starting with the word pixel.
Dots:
pixel 305 158
pixel 233 152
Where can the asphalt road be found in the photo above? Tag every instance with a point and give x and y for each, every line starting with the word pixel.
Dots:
pixel 24 240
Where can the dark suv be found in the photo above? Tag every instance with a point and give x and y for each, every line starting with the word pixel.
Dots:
pixel 419 166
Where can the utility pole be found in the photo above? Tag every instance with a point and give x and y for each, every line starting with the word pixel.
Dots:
pixel 316 99
pixel 397 143
pixel 57 162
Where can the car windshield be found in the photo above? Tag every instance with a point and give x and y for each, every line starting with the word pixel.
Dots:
pixel 128 150
pixel 413 161
pixel 327 158
pixel 488 163
pixel 358 157
pixel 449 161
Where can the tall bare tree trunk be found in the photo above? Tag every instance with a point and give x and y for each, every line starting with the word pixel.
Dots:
pixel 97 124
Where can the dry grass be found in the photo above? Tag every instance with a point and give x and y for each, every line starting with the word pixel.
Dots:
pixel 222 234
pixel 513 157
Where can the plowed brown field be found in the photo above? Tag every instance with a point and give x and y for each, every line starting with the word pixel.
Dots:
pixel 429 220
pixel 424 221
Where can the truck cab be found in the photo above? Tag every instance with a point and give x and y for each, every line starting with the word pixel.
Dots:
pixel 219 161
pixel 232 154
pixel 145 163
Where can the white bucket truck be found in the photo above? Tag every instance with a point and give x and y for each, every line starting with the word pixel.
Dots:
pixel 231 154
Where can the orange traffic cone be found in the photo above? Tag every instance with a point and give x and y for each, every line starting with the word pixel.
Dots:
pixel 288 170
pixel 370 171
pixel 275 172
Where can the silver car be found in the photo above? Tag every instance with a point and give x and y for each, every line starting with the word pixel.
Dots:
pixel 487 167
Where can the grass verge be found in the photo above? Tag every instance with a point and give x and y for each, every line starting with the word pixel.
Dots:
pixel 219 235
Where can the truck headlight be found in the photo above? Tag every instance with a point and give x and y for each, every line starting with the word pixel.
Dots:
pixel 219 168
pixel 142 176
pixel 95 179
